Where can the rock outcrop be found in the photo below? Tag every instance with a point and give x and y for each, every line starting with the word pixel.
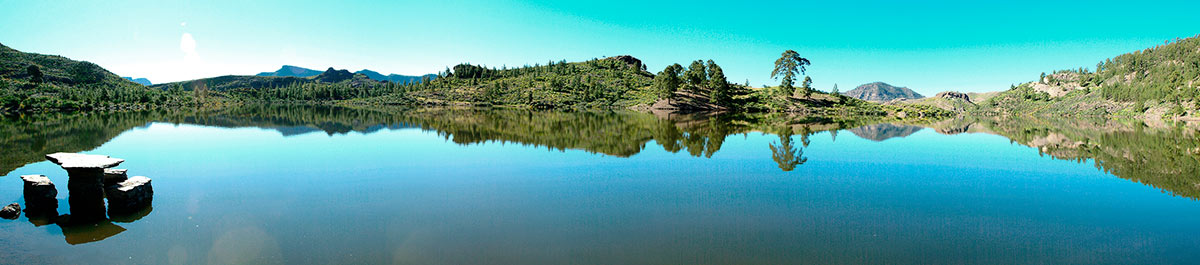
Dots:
pixel 954 95
pixel 629 60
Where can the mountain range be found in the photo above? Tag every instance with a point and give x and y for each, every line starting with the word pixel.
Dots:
pixel 296 71
pixel 231 82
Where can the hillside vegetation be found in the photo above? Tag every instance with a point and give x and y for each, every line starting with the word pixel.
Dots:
pixel 1163 81
pixel 36 82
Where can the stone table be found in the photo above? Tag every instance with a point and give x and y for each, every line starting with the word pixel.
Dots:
pixel 86 184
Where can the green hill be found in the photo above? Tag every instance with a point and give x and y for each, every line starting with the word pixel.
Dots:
pixel 615 82
pixel 1163 81
pixel 37 82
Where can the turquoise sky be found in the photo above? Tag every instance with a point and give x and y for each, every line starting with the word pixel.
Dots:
pixel 929 46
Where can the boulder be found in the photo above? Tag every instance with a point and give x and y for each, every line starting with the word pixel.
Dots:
pixel 130 195
pixel 39 192
pixel 114 176
pixel 12 211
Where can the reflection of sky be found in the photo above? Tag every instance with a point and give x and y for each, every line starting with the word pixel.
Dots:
pixel 248 194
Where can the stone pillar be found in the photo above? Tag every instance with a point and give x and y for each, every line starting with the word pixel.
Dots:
pixel 86 194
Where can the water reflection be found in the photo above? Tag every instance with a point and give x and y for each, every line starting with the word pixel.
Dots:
pixel 786 154
pixel 1166 158
pixel 884 131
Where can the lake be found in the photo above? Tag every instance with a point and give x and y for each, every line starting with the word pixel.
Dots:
pixel 306 184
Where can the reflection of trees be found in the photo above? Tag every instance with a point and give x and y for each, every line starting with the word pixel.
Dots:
pixel 785 153
pixel 1167 158
pixel 618 133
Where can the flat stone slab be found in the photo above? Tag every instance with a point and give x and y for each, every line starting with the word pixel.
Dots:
pixel 36 180
pixel 38 188
pixel 83 161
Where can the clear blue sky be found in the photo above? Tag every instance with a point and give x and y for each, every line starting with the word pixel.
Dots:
pixel 929 46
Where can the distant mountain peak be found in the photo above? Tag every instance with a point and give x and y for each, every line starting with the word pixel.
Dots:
pixel 333 75
pixel 143 81
pixel 291 70
pixel 880 91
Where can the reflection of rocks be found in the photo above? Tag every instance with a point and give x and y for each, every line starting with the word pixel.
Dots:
pixel 39 193
pixel 90 232
pixel 884 131
pixel 12 211
pixel 129 217
pixel 130 195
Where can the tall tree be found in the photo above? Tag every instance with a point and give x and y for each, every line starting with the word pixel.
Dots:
pixel 696 75
pixel 788 65
pixel 667 81
pixel 835 93
pixel 717 84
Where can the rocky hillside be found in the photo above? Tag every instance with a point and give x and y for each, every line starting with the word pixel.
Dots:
pixel 880 92
pixel 1158 82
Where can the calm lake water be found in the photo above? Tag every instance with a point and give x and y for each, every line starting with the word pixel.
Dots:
pixel 287 185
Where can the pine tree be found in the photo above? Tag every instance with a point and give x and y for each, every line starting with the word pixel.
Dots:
pixel 668 81
pixel 787 66
pixel 717 85
pixel 696 76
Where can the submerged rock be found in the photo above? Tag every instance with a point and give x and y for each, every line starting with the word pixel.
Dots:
pixel 114 176
pixel 12 211
pixel 39 193
pixel 130 195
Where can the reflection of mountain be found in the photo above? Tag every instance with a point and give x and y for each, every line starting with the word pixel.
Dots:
pixel 884 131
